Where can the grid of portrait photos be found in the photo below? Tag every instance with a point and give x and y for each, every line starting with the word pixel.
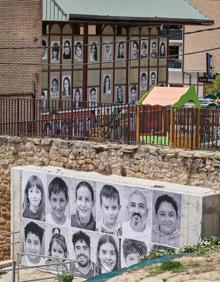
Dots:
pixel 92 227
pixel 118 71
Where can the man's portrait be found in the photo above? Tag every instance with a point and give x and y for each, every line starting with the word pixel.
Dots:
pixel 134 49
pixel 133 94
pixel 153 77
pixel 153 49
pixel 137 213
pixel 84 267
pixel 119 94
pixel 166 219
pixel 78 53
pixel 93 95
pixel 162 50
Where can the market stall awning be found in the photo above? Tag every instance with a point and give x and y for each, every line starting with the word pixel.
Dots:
pixel 176 97
pixel 148 11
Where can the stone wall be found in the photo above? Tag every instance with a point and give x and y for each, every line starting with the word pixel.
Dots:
pixel 178 166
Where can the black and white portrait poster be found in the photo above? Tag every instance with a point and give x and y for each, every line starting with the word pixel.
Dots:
pixel 55 52
pixel 57 248
pixel 78 51
pixel 107 84
pixel 133 94
pixel 120 96
pixel 66 85
pixel 166 219
pixel 153 77
pixel 83 205
pixel 144 48
pixel 109 209
pixel 135 49
pixel 33 195
pixel 154 46
pixel 58 200
pixel 93 52
pixel 162 49
pixel 107 253
pixel 120 49
pixel 132 251
pixel 67 49
pixel 82 249
pixel 77 97
pixel 33 243
pixel 137 214
pixel 54 87
pixel 107 51
pixel 44 49
pixel 93 95
pixel 143 81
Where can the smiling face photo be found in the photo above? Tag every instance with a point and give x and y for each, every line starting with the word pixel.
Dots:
pixel 167 219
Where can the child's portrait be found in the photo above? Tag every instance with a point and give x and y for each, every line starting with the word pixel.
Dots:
pixel 109 208
pixel 133 251
pixel 107 254
pixel 58 202
pixel 57 249
pixel 33 197
pixel 83 206
pixel 33 244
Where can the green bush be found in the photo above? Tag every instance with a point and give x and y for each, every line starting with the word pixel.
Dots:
pixel 65 276
pixel 171 265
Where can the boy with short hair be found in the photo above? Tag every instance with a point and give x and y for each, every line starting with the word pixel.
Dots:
pixel 133 251
pixel 110 206
pixel 58 198
pixel 33 237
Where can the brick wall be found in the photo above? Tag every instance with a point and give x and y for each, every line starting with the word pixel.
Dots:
pixel 203 40
pixel 20 26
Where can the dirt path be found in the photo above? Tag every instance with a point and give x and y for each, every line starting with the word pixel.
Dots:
pixel 196 269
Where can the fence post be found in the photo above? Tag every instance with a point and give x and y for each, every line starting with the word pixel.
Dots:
pixel 171 127
pixel 138 124
pixel 197 139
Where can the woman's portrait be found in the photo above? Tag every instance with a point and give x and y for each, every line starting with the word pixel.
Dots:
pixel 143 81
pixel 166 219
pixel 34 199
pixel 66 86
pixel 144 50
pixel 119 95
pixel 93 95
pixel 93 52
pixel 44 49
pixel 66 49
pixel 121 50
pixel 107 84
pixel 77 98
pixel 107 255
pixel 162 50
pixel 54 87
pixel 135 50
pixel 107 51
pixel 55 52
pixel 78 54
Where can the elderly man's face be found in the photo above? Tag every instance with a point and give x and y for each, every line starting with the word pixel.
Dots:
pixel 137 211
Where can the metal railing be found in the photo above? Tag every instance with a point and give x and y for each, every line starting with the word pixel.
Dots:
pixel 123 123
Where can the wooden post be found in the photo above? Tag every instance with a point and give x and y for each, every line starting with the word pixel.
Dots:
pixel 171 127
pixel 197 139
pixel 138 124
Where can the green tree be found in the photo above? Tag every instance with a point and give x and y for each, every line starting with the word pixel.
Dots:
pixel 214 87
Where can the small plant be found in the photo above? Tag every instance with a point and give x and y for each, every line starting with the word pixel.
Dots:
pixel 171 266
pixel 14 152
pixel 65 276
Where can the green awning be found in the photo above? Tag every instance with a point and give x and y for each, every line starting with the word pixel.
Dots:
pixel 148 11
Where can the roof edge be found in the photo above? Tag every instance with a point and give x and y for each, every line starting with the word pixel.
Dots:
pixel 187 21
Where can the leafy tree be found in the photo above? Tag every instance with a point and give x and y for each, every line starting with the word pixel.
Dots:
pixel 214 87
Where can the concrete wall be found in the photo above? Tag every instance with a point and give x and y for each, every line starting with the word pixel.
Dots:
pixel 178 166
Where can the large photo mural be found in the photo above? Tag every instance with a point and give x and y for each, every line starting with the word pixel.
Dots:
pixel 92 227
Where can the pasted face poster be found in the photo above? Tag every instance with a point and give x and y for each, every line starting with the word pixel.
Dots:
pixel 91 227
